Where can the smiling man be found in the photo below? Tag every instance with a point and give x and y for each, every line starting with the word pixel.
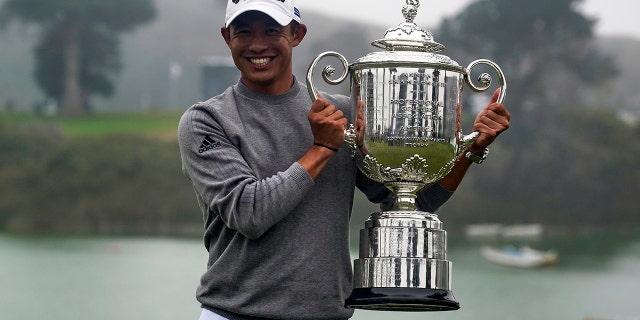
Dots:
pixel 274 181
pixel 262 46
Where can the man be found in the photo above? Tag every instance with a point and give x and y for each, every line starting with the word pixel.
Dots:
pixel 274 181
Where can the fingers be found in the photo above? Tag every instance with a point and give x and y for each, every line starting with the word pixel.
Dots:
pixel 319 104
pixel 496 111
pixel 490 127
pixel 328 123
pixel 360 114
pixel 324 109
pixel 497 114
pixel 491 122
pixel 496 95
pixel 360 108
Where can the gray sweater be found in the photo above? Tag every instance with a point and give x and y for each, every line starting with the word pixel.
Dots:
pixel 278 241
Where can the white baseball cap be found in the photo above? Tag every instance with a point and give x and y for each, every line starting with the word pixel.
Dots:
pixel 282 11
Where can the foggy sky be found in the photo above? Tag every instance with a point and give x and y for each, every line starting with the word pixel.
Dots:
pixel 615 17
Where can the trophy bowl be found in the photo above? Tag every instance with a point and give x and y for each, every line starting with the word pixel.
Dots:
pixel 412 110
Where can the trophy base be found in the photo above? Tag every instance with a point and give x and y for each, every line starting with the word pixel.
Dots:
pixel 402 299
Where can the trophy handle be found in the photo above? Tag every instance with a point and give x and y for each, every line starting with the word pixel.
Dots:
pixel 327 72
pixel 485 82
pixel 350 133
pixel 485 78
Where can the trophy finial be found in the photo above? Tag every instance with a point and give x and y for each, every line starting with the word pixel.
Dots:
pixel 410 10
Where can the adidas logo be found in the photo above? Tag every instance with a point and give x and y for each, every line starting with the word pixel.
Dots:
pixel 208 144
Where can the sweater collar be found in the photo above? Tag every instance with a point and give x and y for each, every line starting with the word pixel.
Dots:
pixel 245 91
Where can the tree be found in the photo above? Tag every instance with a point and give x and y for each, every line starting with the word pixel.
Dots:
pixel 78 54
pixel 548 55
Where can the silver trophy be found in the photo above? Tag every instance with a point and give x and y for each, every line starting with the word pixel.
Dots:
pixel 412 110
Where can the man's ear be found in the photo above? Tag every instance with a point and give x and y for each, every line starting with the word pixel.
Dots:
pixel 225 34
pixel 299 34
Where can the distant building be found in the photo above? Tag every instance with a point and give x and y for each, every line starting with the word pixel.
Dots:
pixel 217 74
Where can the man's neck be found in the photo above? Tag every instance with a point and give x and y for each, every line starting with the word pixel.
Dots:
pixel 273 89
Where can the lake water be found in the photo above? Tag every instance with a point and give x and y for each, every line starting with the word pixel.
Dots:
pixel 72 278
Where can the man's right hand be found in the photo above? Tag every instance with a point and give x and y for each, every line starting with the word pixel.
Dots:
pixel 327 123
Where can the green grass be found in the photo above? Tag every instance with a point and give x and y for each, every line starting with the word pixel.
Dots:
pixel 160 124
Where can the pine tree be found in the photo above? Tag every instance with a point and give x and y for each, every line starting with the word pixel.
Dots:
pixel 77 54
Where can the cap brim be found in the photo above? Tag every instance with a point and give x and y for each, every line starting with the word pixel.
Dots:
pixel 281 18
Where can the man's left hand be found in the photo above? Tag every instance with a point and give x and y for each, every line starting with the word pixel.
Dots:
pixel 490 122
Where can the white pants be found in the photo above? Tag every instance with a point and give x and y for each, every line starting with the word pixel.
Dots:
pixel 208 315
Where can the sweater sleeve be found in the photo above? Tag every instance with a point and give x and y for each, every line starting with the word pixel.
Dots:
pixel 225 184
pixel 431 197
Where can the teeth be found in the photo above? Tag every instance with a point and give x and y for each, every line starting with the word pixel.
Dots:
pixel 260 61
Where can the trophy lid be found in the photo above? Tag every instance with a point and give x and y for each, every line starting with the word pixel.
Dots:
pixel 408 36
pixel 407 43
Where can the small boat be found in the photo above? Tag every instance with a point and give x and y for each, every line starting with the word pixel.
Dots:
pixel 497 230
pixel 523 257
